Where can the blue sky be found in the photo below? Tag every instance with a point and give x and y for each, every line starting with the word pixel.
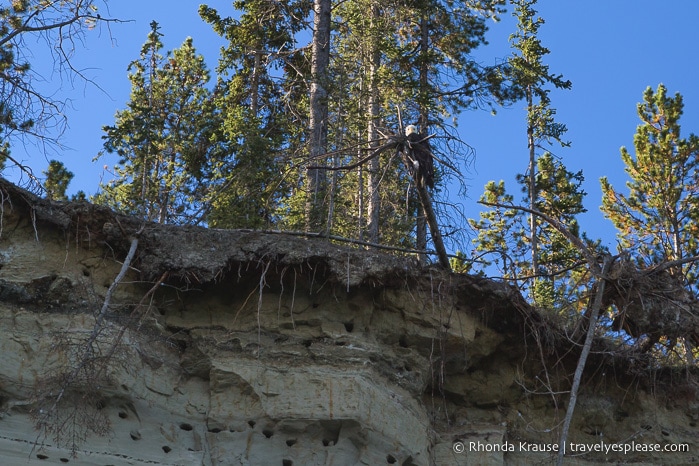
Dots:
pixel 610 50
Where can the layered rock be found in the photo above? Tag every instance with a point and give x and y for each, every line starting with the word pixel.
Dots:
pixel 235 347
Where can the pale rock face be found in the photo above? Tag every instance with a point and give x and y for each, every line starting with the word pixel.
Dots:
pixel 248 356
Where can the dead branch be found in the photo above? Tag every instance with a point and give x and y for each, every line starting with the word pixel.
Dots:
pixel 594 312
pixel 391 144
pixel 592 259
pixel 671 264
pixel 48 420
pixel 108 297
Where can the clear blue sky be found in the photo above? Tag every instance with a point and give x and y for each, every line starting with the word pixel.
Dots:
pixel 611 50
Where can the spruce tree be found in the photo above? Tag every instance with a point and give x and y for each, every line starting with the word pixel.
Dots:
pixel 259 92
pixel 164 136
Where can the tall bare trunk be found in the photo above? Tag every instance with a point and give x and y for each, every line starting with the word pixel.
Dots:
pixel 255 84
pixel 318 120
pixel 374 205
pixel 533 194
pixel 431 218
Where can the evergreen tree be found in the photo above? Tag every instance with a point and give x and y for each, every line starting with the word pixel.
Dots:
pixel 560 277
pixel 316 201
pixel 551 274
pixel 431 62
pixel 659 217
pixel 374 67
pixel 369 201
pixel 503 233
pixel 533 76
pixel 382 60
pixel 258 93
pixel 500 233
pixel 164 137
pixel 57 180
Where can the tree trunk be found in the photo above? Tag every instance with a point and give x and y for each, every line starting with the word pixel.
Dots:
pixel 318 118
pixel 420 221
pixel 426 202
pixel 374 165
pixel 594 313
pixel 533 238
pixel 255 82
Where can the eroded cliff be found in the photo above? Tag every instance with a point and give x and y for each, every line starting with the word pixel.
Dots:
pixel 235 347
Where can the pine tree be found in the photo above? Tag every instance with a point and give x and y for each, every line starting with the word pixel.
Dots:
pixel 431 62
pixel 559 195
pixel 500 233
pixel 659 217
pixel 316 178
pixel 372 195
pixel 374 69
pixel 550 273
pixel 164 137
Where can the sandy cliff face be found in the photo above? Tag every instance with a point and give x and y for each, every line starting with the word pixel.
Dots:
pixel 229 347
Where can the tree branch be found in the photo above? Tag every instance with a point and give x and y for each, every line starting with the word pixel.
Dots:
pixel 592 259
pixel 359 162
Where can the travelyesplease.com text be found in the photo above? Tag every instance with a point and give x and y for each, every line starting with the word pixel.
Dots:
pixel 570 447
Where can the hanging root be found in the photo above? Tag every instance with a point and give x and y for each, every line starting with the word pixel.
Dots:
pixel 261 287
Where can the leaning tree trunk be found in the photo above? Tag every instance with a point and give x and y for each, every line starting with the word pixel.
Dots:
pixel 426 202
pixel 594 313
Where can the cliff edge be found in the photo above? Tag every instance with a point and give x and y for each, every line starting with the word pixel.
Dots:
pixel 241 347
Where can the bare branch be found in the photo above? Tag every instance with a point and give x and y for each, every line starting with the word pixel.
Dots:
pixel 26 110
pixel 391 144
pixel 592 259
